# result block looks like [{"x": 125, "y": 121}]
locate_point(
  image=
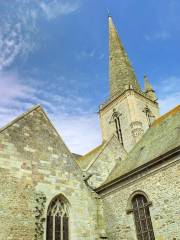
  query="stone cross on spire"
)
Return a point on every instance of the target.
[{"x": 121, "y": 71}]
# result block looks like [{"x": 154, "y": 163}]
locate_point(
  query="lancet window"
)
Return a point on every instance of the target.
[
  {"x": 117, "y": 122},
  {"x": 142, "y": 218},
  {"x": 149, "y": 115},
  {"x": 58, "y": 220}
]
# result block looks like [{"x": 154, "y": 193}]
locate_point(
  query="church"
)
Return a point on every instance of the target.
[{"x": 127, "y": 188}]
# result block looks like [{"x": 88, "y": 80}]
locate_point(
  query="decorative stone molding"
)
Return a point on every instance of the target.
[
  {"x": 137, "y": 130},
  {"x": 39, "y": 215},
  {"x": 129, "y": 208}
]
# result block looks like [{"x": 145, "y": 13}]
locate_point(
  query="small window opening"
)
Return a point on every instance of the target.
[
  {"x": 116, "y": 118},
  {"x": 149, "y": 115}
]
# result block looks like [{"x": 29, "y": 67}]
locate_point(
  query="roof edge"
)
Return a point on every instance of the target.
[
  {"x": 163, "y": 157},
  {"x": 20, "y": 117},
  {"x": 119, "y": 94},
  {"x": 46, "y": 116},
  {"x": 166, "y": 115}
]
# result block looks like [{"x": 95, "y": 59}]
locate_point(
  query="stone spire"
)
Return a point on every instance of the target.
[
  {"x": 121, "y": 71},
  {"x": 150, "y": 93}
]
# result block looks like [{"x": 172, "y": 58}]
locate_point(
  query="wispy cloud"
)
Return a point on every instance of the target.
[
  {"x": 102, "y": 56},
  {"x": 85, "y": 54},
  {"x": 168, "y": 102},
  {"x": 14, "y": 96},
  {"x": 56, "y": 8},
  {"x": 77, "y": 124},
  {"x": 169, "y": 93},
  {"x": 80, "y": 132},
  {"x": 11, "y": 88},
  {"x": 17, "y": 31},
  {"x": 20, "y": 24},
  {"x": 159, "y": 35}
]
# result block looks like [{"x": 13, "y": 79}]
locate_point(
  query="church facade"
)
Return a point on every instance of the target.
[{"x": 126, "y": 188}]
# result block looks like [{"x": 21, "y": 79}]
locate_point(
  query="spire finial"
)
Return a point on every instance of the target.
[
  {"x": 108, "y": 12},
  {"x": 147, "y": 84},
  {"x": 149, "y": 89}
]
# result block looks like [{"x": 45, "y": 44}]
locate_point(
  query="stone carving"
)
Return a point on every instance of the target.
[
  {"x": 39, "y": 215},
  {"x": 137, "y": 130}
]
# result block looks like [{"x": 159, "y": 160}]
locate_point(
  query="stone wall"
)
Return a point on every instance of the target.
[
  {"x": 109, "y": 158},
  {"x": 134, "y": 122},
  {"x": 162, "y": 188},
  {"x": 36, "y": 166}
]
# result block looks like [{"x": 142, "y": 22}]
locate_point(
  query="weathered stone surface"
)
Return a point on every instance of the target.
[
  {"x": 162, "y": 188},
  {"x": 36, "y": 166},
  {"x": 121, "y": 71},
  {"x": 130, "y": 105},
  {"x": 34, "y": 161},
  {"x": 110, "y": 157}
]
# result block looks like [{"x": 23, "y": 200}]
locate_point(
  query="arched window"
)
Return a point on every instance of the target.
[
  {"x": 116, "y": 119},
  {"x": 58, "y": 219},
  {"x": 149, "y": 115},
  {"x": 142, "y": 218}
]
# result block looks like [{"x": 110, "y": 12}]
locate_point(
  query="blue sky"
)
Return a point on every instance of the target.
[{"x": 55, "y": 52}]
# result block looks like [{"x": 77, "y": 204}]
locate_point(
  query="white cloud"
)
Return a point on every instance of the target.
[
  {"x": 102, "y": 56},
  {"x": 81, "y": 133},
  {"x": 19, "y": 25},
  {"x": 56, "y": 8},
  {"x": 17, "y": 31},
  {"x": 79, "y": 128},
  {"x": 169, "y": 93},
  {"x": 169, "y": 102},
  {"x": 13, "y": 93},
  {"x": 160, "y": 35},
  {"x": 11, "y": 88},
  {"x": 85, "y": 54}
]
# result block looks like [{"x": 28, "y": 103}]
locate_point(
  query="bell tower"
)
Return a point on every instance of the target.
[{"x": 129, "y": 111}]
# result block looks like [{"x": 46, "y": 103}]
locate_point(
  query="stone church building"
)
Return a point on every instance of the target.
[{"x": 128, "y": 188}]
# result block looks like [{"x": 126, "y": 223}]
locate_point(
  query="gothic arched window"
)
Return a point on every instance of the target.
[
  {"x": 57, "y": 227},
  {"x": 142, "y": 218},
  {"x": 149, "y": 115},
  {"x": 116, "y": 119}
]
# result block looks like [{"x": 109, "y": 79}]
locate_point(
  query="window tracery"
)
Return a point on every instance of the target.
[
  {"x": 58, "y": 220},
  {"x": 116, "y": 119}
]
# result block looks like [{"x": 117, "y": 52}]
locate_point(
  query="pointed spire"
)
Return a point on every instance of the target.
[
  {"x": 149, "y": 89},
  {"x": 121, "y": 71},
  {"x": 147, "y": 85}
]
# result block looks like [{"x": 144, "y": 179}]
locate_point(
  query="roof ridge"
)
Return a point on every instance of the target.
[
  {"x": 20, "y": 117},
  {"x": 104, "y": 143},
  {"x": 46, "y": 116},
  {"x": 167, "y": 114},
  {"x": 91, "y": 151}
]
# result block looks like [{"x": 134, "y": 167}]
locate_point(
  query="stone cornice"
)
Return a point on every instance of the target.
[{"x": 116, "y": 97}]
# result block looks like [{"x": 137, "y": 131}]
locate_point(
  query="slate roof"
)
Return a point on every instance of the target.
[
  {"x": 161, "y": 137},
  {"x": 85, "y": 160}
]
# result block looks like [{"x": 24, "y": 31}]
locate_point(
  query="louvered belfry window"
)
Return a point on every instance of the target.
[
  {"x": 58, "y": 220},
  {"x": 142, "y": 218},
  {"x": 116, "y": 117}
]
